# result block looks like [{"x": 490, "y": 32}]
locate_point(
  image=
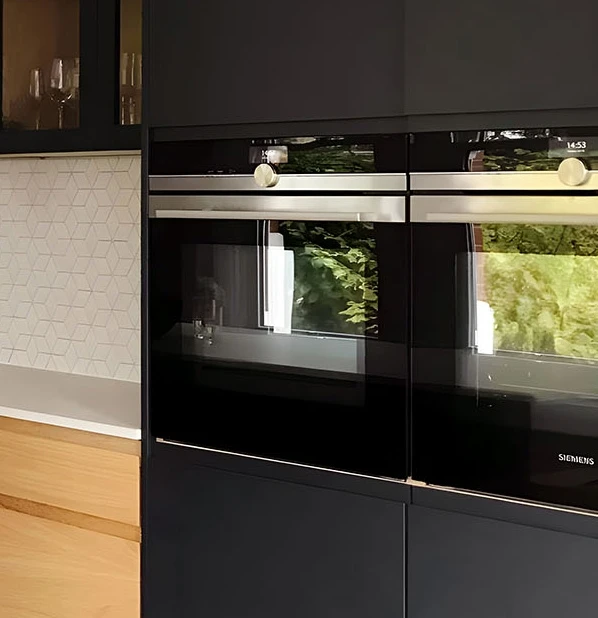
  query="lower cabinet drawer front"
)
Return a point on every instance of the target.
[
  {"x": 71, "y": 476},
  {"x": 53, "y": 570}
]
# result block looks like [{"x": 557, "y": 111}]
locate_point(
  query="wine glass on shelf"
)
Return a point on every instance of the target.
[
  {"x": 137, "y": 77},
  {"x": 61, "y": 86},
  {"x": 125, "y": 75},
  {"x": 130, "y": 88},
  {"x": 36, "y": 92}
]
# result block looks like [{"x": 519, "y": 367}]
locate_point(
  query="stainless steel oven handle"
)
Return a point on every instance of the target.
[
  {"x": 447, "y": 217},
  {"x": 557, "y": 210},
  {"x": 389, "y": 208},
  {"x": 262, "y": 214}
]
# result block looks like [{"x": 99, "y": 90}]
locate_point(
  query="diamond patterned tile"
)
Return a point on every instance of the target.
[
  {"x": 70, "y": 265},
  {"x": 104, "y": 164}
]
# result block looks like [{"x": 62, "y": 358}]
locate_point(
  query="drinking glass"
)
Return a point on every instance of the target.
[
  {"x": 61, "y": 86},
  {"x": 137, "y": 78},
  {"x": 37, "y": 92},
  {"x": 125, "y": 83},
  {"x": 130, "y": 88},
  {"x": 208, "y": 307}
]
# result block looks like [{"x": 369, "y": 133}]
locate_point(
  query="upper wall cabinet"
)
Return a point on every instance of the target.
[
  {"x": 224, "y": 63},
  {"x": 480, "y": 57},
  {"x": 62, "y": 89}
]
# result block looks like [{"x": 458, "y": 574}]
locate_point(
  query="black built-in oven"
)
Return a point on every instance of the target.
[
  {"x": 505, "y": 313},
  {"x": 278, "y": 312}
]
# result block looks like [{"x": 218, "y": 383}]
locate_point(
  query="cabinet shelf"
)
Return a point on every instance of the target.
[{"x": 114, "y": 138}]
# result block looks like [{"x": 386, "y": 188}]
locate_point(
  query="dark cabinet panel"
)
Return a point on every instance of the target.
[
  {"x": 472, "y": 56},
  {"x": 219, "y": 544},
  {"x": 464, "y": 566},
  {"x": 219, "y": 63}
]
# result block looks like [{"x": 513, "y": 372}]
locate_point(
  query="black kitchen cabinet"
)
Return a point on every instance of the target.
[
  {"x": 71, "y": 75},
  {"x": 477, "y": 64},
  {"x": 219, "y": 542},
  {"x": 477, "y": 557},
  {"x": 228, "y": 63}
]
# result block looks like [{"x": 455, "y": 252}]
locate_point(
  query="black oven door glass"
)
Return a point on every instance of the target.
[
  {"x": 281, "y": 339},
  {"x": 505, "y": 359}
]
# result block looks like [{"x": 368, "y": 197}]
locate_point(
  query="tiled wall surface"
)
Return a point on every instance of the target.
[{"x": 70, "y": 265}]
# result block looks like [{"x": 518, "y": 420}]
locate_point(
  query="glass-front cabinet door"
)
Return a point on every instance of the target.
[
  {"x": 71, "y": 75},
  {"x": 40, "y": 64},
  {"x": 130, "y": 62}
]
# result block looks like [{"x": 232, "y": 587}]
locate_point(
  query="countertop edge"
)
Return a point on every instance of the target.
[{"x": 72, "y": 423}]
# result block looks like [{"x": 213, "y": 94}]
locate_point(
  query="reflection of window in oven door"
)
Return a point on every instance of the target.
[
  {"x": 537, "y": 310},
  {"x": 484, "y": 314},
  {"x": 473, "y": 311},
  {"x": 279, "y": 282}
]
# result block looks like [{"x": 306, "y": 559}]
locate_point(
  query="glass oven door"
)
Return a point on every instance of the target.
[
  {"x": 278, "y": 327},
  {"x": 505, "y": 345}
]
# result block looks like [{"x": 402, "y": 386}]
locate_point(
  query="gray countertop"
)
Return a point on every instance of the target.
[{"x": 98, "y": 405}]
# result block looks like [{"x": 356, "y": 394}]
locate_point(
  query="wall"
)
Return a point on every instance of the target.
[{"x": 70, "y": 265}]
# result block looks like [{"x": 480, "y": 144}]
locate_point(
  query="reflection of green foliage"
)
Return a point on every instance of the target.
[
  {"x": 336, "y": 159},
  {"x": 518, "y": 159},
  {"x": 542, "y": 282},
  {"x": 336, "y": 276},
  {"x": 522, "y": 160}
]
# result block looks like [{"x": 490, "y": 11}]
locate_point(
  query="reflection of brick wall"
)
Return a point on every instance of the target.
[
  {"x": 480, "y": 262},
  {"x": 476, "y": 161},
  {"x": 476, "y": 164}
]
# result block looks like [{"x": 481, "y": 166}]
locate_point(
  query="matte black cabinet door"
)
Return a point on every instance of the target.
[
  {"x": 218, "y": 544},
  {"x": 461, "y": 566},
  {"x": 220, "y": 63},
  {"x": 470, "y": 56}
]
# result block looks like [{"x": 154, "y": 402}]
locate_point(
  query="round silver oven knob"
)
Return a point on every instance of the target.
[
  {"x": 572, "y": 172},
  {"x": 265, "y": 175}
]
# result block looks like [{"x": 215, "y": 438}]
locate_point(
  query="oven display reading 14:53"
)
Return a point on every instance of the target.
[
  {"x": 581, "y": 145},
  {"x": 562, "y": 147}
]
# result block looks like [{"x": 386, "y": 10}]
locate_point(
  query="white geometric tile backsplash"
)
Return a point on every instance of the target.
[{"x": 70, "y": 264}]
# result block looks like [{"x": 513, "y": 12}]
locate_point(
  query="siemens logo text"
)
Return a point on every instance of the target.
[{"x": 588, "y": 461}]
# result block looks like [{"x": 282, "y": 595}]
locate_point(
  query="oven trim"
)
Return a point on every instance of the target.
[
  {"x": 385, "y": 479},
  {"x": 496, "y": 181},
  {"x": 224, "y": 183}
]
